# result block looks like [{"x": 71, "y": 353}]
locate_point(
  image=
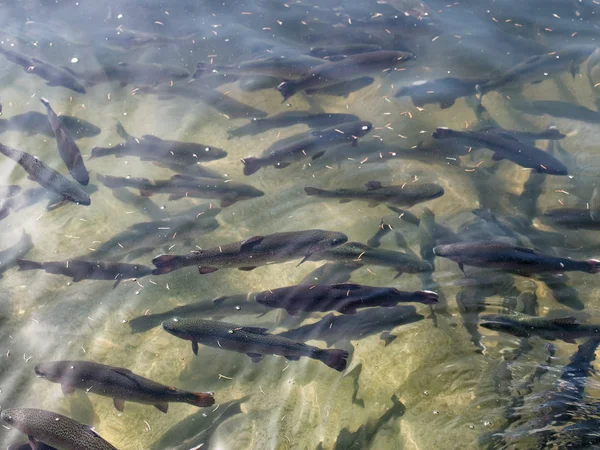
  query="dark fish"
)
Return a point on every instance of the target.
[
  {"x": 180, "y": 186},
  {"x": 382, "y": 230},
  {"x": 152, "y": 148},
  {"x": 314, "y": 145},
  {"x": 502, "y": 256},
  {"x": 520, "y": 325},
  {"x": 291, "y": 118},
  {"x": 344, "y": 88},
  {"x": 54, "y": 75},
  {"x": 87, "y": 270},
  {"x": 10, "y": 255},
  {"x": 128, "y": 39},
  {"x": 144, "y": 74},
  {"x": 45, "y": 427},
  {"x": 332, "y": 328},
  {"x": 330, "y": 273},
  {"x": 117, "y": 383},
  {"x": 9, "y": 191},
  {"x": 444, "y": 91},
  {"x": 46, "y": 176},
  {"x": 33, "y": 122},
  {"x": 550, "y": 133},
  {"x": 538, "y": 68},
  {"x": 281, "y": 67},
  {"x": 363, "y": 255},
  {"x": 253, "y": 341},
  {"x": 329, "y": 51},
  {"x": 352, "y": 67},
  {"x": 253, "y": 252},
  {"x": 67, "y": 148},
  {"x": 573, "y": 218},
  {"x": 252, "y": 83},
  {"x": 26, "y": 446},
  {"x": 345, "y": 298},
  {"x": 375, "y": 193},
  {"x": 508, "y": 147},
  {"x": 557, "y": 108}
]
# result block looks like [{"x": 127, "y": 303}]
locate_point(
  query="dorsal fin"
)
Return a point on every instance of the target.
[
  {"x": 250, "y": 243},
  {"x": 346, "y": 286},
  {"x": 568, "y": 320}
]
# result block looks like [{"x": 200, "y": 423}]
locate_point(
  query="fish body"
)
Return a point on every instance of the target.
[
  {"x": 54, "y": 430},
  {"x": 328, "y": 51},
  {"x": 281, "y": 67},
  {"x": 314, "y": 145},
  {"x": 573, "y": 218},
  {"x": 9, "y": 191},
  {"x": 345, "y": 298},
  {"x": 511, "y": 258},
  {"x": 117, "y": 383},
  {"x": 374, "y": 193},
  {"x": 46, "y": 176},
  {"x": 33, "y": 122},
  {"x": 128, "y": 39},
  {"x": 9, "y": 256},
  {"x": 508, "y": 147},
  {"x": 253, "y": 252},
  {"x": 343, "y": 88},
  {"x": 67, "y": 148},
  {"x": 145, "y": 74},
  {"x": 444, "y": 91}
]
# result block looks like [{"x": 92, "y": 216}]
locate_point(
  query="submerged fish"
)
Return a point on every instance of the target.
[
  {"x": 180, "y": 186},
  {"x": 145, "y": 74},
  {"x": 9, "y": 191},
  {"x": 10, "y": 255},
  {"x": 253, "y": 252},
  {"x": 46, "y": 176},
  {"x": 353, "y": 66},
  {"x": 67, "y": 148},
  {"x": 54, "y": 75},
  {"x": 444, "y": 91},
  {"x": 152, "y": 148},
  {"x": 253, "y": 341},
  {"x": 328, "y": 51},
  {"x": 122, "y": 37},
  {"x": 503, "y": 256},
  {"x": 508, "y": 147},
  {"x": 343, "y": 88},
  {"x": 117, "y": 383},
  {"x": 345, "y": 298},
  {"x": 375, "y": 193},
  {"x": 313, "y": 145},
  {"x": 521, "y": 325},
  {"x": 573, "y": 218},
  {"x": 55, "y": 430},
  {"x": 281, "y": 67},
  {"x": 33, "y": 122}
]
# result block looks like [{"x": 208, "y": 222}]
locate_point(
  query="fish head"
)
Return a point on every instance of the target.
[
  {"x": 362, "y": 128},
  {"x": 266, "y": 298},
  {"x": 81, "y": 198},
  {"x": 10, "y": 416},
  {"x": 556, "y": 168},
  {"x": 17, "y": 418},
  {"x": 183, "y": 328},
  {"x": 74, "y": 84},
  {"x": 427, "y": 191}
]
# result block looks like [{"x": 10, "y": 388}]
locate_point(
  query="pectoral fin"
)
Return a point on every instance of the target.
[
  {"x": 497, "y": 157},
  {"x": 195, "y": 347},
  {"x": 119, "y": 404},
  {"x": 570, "y": 341},
  {"x": 256, "y": 357},
  {"x": 292, "y": 358},
  {"x": 387, "y": 338},
  {"x": 162, "y": 407},
  {"x": 35, "y": 445},
  {"x": 247, "y": 268},
  {"x": 205, "y": 270},
  {"x": 318, "y": 155}
]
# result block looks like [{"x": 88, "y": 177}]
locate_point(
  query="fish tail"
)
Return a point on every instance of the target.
[
  {"x": 442, "y": 133},
  {"x": 200, "y": 399},
  {"x": 121, "y": 131},
  {"x": 336, "y": 359},
  {"x": 313, "y": 191},
  {"x": 45, "y": 102},
  {"x": 593, "y": 266},
  {"x": 201, "y": 69},
  {"x": 287, "y": 89},
  {"x": 427, "y": 297},
  {"x": 98, "y": 152},
  {"x": 26, "y": 264},
  {"x": 251, "y": 165}
]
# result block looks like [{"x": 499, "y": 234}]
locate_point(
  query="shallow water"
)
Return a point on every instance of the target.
[{"x": 455, "y": 380}]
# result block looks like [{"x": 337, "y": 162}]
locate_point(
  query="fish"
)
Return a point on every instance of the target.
[
  {"x": 550, "y": 133},
  {"x": 538, "y": 68},
  {"x": 330, "y": 73},
  {"x": 343, "y": 88},
  {"x": 508, "y": 147},
  {"x": 562, "y": 328},
  {"x": 253, "y": 252},
  {"x": 291, "y": 118},
  {"x": 521, "y": 260},
  {"x": 46, "y": 176},
  {"x": 280, "y": 67},
  {"x": 152, "y": 148},
  {"x": 328, "y": 51},
  {"x": 332, "y": 328},
  {"x": 128, "y": 39},
  {"x": 117, "y": 383},
  {"x": 54, "y": 75},
  {"x": 10, "y": 255},
  {"x": 362, "y": 255},
  {"x": 313, "y": 145},
  {"x": 375, "y": 193},
  {"x": 144, "y": 74},
  {"x": 79, "y": 270},
  {"x": 443, "y": 91},
  {"x": 572, "y": 218},
  {"x": 181, "y": 185},
  {"x": 330, "y": 273},
  {"x": 557, "y": 108},
  {"x": 55, "y": 430},
  {"x": 9, "y": 191},
  {"x": 67, "y": 148},
  {"x": 382, "y": 230},
  {"x": 252, "y": 83},
  {"x": 344, "y": 298},
  {"x": 26, "y": 446},
  {"x": 33, "y": 122},
  {"x": 255, "y": 342}
]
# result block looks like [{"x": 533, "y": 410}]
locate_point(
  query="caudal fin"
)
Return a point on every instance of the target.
[
  {"x": 336, "y": 359},
  {"x": 26, "y": 264},
  {"x": 122, "y": 132},
  {"x": 287, "y": 89},
  {"x": 313, "y": 191},
  {"x": 201, "y": 399},
  {"x": 593, "y": 266},
  {"x": 251, "y": 165}
]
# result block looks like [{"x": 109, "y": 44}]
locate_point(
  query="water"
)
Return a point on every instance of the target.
[{"x": 443, "y": 382}]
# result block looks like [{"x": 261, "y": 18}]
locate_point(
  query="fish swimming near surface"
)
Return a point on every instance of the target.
[
  {"x": 352, "y": 67},
  {"x": 253, "y": 341},
  {"x": 511, "y": 258},
  {"x": 181, "y": 185},
  {"x": 10, "y": 255},
  {"x": 54, "y": 430},
  {"x": 117, "y": 383},
  {"x": 506, "y": 146},
  {"x": 88, "y": 270},
  {"x": 144, "y": 74},
  {"x": 54, "y": 75},
  {"x": 152, "y": 148},
  {"x": 253, "y": 252},
  {"x": 443, "y": 91},
  {"x": 345, "y": 298},
  {"x": 33, "y": 122},
  {"x": 67, "y": 148},
  {"x": 313, "y": 145},
  {"x": 375, "y": 193},
  {"x": 46, "y": 176}
]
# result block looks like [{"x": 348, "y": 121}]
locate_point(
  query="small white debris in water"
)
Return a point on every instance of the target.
[
  {"x": 120, "y": 16},
  {"x": 435, "y": 412},
  {"x": 74, "y": 60},
  {"x": 487, "y": 423}
]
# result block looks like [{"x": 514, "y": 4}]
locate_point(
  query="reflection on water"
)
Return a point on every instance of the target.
[{"x": 445, "y": 147}]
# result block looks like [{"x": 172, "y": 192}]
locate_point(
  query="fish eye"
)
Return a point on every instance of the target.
[
  {"x": 365, "y": 128},
  {"x": 175, "y": 319}
]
